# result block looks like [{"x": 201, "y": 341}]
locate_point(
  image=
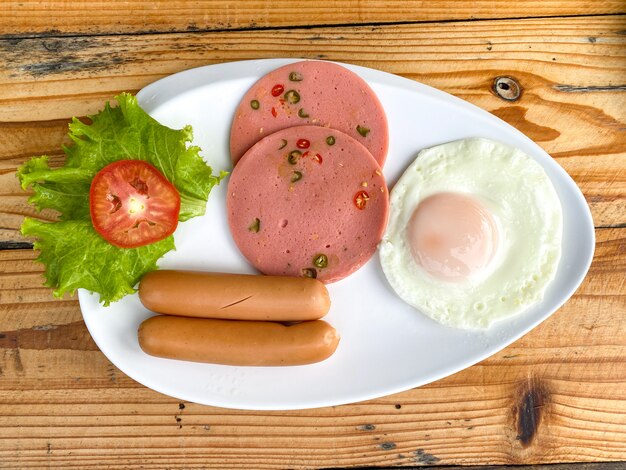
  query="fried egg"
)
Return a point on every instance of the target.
[{"x": 474, "y": 233}]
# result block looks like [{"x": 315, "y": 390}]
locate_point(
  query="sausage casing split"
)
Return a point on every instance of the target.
[
  {"x": 234, "y": 296},
  {"x": 237, "y": 343}
]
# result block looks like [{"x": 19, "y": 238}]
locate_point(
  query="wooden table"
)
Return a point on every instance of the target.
[{"x": 556, "y": 395}]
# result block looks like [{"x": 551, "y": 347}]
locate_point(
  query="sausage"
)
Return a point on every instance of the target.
[
  {"x": 237, "y": 343},
  {"x": 234, "y": 296}
]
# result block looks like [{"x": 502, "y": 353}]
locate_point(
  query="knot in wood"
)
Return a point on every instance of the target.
[
  {"x": 532, "y": 397},
  {"x": 507, "y": 88}
]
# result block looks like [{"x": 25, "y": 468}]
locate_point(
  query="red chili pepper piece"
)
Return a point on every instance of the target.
[
  {"x": 303, "y": 144},
  {"x": 278, "y": 90},
  {"x": 360, "y": 200},
  {"x": 318, "y": 158},
  {"x": 274, "y": 113}
]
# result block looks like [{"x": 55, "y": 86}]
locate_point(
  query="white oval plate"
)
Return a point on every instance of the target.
[{"x": 386, "y": 346}]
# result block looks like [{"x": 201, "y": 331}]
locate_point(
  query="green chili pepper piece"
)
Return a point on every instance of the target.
[
  {"x": 362, "y": 130},
  {"x": 302, "y": 113},
  {"x": 308, "y": 272},
  {"x": 283, "y": 144},
  {"x": 255, "y": 226},
  {"x": 330, "y": 140},
  {"x": 294, "y": 156},
  {"x": 295, "y": 77},
  {"x": 292, "y": 96},
  {"x": 296, "y": 176},
  {"x": 320, "y": 261},
  {"x": 254, "y": 104}
]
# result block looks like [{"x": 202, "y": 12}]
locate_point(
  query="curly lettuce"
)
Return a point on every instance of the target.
[{"x": 74, "y": 254}]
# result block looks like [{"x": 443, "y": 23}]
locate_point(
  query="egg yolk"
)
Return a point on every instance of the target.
[{"x": 452, "y": 236}]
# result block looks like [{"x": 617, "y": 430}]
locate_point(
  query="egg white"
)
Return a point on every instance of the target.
[{"x": 528, "y": 214}]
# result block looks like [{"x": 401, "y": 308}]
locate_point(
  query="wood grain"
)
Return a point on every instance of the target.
[
  {"x": 571, "y": 71},
  {"x": 58, "y": 17},
  {"x": 556, "y": 395}
]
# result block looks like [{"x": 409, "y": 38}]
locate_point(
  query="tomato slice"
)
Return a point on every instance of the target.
[{"x": 132, "y": 204}]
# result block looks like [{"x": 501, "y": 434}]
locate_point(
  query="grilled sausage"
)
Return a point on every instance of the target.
[
  {"x": 234, "y": 296},
  {"x": 238, "y": 343}
]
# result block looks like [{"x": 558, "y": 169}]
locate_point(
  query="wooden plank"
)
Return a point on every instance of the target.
[
  {"x": 571, "y": 71},
  {"x": 58, "y": 17},
  {"x": 555, "y": 395}
]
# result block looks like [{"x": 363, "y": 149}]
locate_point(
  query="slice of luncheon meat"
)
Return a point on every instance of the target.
[
  {"x": 307, "y": 201},
  {"x": 310, "y": 92}
]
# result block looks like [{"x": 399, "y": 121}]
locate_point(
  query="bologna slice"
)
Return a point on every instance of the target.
[
  {"x": 310, "y": 92},
  {"x": 307, "y": 201}
]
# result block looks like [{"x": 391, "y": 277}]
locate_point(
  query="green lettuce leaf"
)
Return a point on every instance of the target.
[
  {"x": 76, "y": 256},
  {"x": 73, "y": 252}
]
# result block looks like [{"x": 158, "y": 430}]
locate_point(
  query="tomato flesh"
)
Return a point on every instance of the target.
[{"x": 132, "y": 204}]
